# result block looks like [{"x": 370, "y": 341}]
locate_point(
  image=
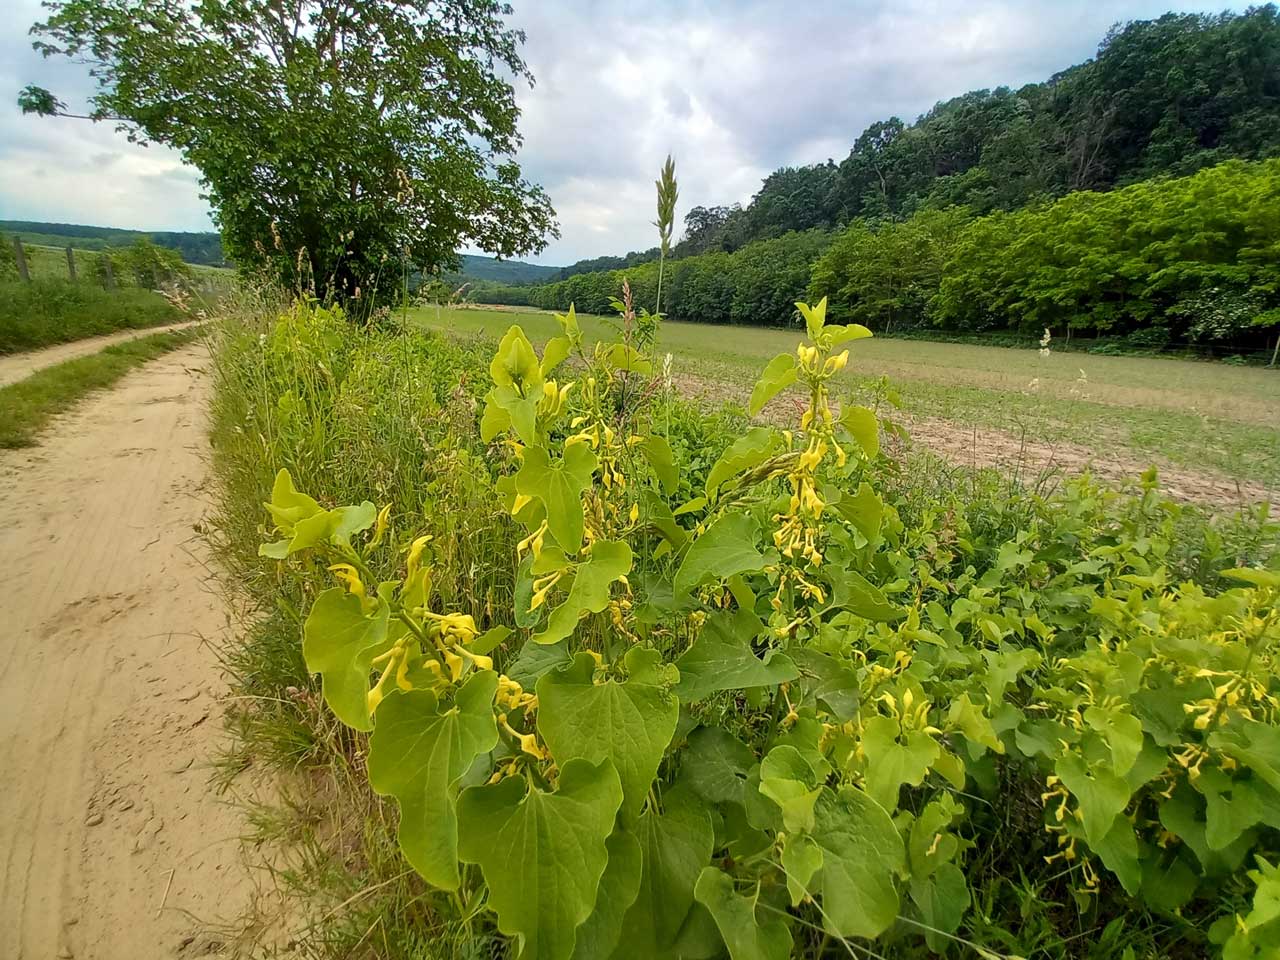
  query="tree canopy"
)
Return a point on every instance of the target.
[{"x": 335, "y": 138}]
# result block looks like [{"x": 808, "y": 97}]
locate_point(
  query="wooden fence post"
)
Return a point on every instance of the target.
[
  {"x": 110, "y": 276},
  {"x": 71, "y": 264},
  {"x": 21, "y": 259}
]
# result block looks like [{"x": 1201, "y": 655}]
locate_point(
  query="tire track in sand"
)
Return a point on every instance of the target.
[{"x": 112, "y": 844}]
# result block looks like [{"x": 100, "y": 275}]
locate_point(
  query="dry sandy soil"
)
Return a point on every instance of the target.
[
  {"x": 113, "y": 843},
  {"x": 17, "y": 366}
]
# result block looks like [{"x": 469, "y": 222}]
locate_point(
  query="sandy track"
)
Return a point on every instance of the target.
[
  {"x": 19, "y": 366},
  {"x": 112, "y": 844}
]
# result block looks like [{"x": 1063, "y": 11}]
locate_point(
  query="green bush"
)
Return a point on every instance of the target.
[{"x": 46, "y": 312}]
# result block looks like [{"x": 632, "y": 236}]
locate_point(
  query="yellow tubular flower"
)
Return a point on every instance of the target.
[
  {"x": 348, "y": 575},
  {"x": 415, "y": 556},
  {"x": 402, "y": 674},
  {"x": 455, "y": 664},
  {"x": 380, "y": 526},
  {"x": 481, "y": 661}
]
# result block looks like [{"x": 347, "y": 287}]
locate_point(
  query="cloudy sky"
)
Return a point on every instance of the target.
[{"x": 732, "y": 89}]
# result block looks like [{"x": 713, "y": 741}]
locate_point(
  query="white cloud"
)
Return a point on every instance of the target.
[{"x": 733, "y": 90}]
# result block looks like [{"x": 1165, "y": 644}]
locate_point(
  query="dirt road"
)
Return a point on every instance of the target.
[
  {"x": 112, "y": 844},
  {"x": 17, "y": 366}
]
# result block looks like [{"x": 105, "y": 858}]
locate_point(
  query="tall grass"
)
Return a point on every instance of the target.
[{"x": 46, "y": 312}]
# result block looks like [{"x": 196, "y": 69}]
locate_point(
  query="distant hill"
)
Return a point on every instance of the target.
[
  {"x": 204, "y": 248},
  {"x": 513, "y": 272}
]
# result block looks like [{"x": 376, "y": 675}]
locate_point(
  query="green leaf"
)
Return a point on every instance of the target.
[
  {"x": 777, "y": 376},
  {"x": 861, "y": 854},
  {"x": 515, "y": 364},
  {"x": 750, "y": 450},
  {"x": 1101, "y": 794},
  {"x": 536, "y": 659},
  {"x": 559, "y": 487},
  {"x": 814, "y": 317},
  {"x": 553, "y": 354},
  {"x": 490, "y": 640},
  {"x": 728, "y": 547},
  {"x": 339, "y": 642},
  {"x": 1123, "y": 733},
  {"x": 831, "y": 682},
  {"x": 715, "y": 764},
  {"x": 1256, "y": 745},
  {"x": 852, "y": 591},
  {"x": 863, "y": 509},
  {"x": 658, "y": 452},
  {"x": 973, "y": 723},
  {"x": 1254, "y": 575},
  {"x": 495, "y": 420},
  {"x": 745, "y": 936},
  {"x": 542, "y": 854},
  {"x": 801, "y": 860},
  {"x": 609, "y": 560},
  {"x": 890, "y": 763},
  {"x": 418, "y": 753},
  {"x": 288, "y": 506},
  {"x": 942, "y": 900},
  {"x": 837, "y": 335},
  {"x": 624, "y": 357},
  {"x": 721, "y": 659},
  {"x": 599, "y": 933},
  {"x": 630, "y": 723},
  {"x": 862, "y": 424},
  {"x": 788, "y": 780},
  {"x": 677, "y": 844}
]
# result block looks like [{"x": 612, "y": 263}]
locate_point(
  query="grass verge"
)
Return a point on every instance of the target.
[
  {"x": 46, "y": 312},
  {"x": 27, "y": 406}
]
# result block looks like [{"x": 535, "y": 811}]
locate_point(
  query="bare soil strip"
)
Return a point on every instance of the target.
[
  {"x": 112, "y": 843},
  {"x": 19, "y": 366},
  {"x": 1031, "y": 459}
]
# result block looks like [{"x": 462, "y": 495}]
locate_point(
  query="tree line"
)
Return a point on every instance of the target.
[{"x": 1181, "y": 259}]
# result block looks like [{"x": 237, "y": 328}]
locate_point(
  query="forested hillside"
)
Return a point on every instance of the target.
[
  {"x": 1162, "y": 97},
  {"x": 203, "y": 248},
  {"x": 1111, "y": 199}
]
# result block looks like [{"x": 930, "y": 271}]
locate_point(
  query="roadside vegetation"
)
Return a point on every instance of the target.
[
  {"x": 930, "y": 716},
  {"x": 27, "y": 406}
]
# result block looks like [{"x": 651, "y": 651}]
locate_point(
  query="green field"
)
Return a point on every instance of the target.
[
  {"x": 50, "y": 262},
  {"x": 1208, "y": 417}
]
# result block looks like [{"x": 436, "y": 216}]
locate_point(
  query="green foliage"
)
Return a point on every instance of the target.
[
  {"x": 1155, "y": 252},
  {"x": 374, "y": 133},
  {"x": 45, "y": 312},
  {"x": 821, "y": 752}
]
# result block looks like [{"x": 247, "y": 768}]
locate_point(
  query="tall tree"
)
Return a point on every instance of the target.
[{"x": 334, "y": 137}]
